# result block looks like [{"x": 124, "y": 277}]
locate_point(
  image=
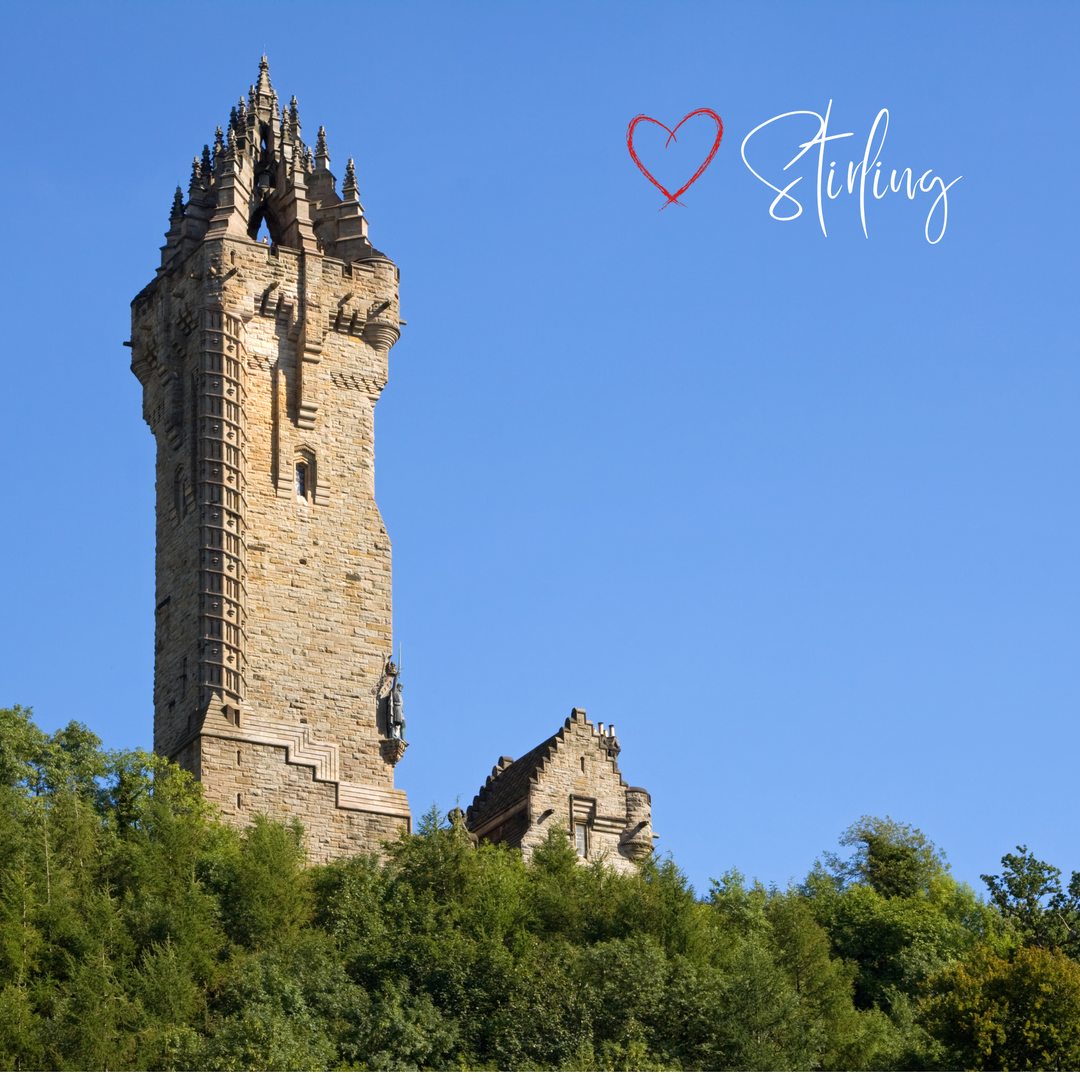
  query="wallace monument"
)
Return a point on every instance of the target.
[{"x": 262, "y": 346}]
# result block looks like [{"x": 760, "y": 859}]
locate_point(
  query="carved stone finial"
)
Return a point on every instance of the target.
[
  {"x": 349, "y": 191},
  {"x": 322, "y": 154},
  {"x": 205, "y": 165},
  {"x": 294, "y": 110},
  {"x": 195, "y": 184},
  {"x": 177, "y": 205},
  {"x": 264, "y": 86}
]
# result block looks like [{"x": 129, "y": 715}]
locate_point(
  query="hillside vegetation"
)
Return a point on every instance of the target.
[{"x": 137, "y": 931}]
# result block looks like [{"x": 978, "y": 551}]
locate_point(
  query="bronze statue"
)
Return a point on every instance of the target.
[{"x": 397, "y": 714}]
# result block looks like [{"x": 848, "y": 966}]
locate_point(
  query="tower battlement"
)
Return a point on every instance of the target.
[{"x": 261, "y": 364}]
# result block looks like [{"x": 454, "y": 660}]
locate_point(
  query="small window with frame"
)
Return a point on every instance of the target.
[
  {"x": 581, "y": 838},
  {"x": 304, "y": 478}
]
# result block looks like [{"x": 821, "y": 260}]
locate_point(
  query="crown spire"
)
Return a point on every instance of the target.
[{"x": 259, "y": 163}]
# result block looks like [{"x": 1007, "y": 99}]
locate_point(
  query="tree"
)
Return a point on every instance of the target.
[
  {"x": 265, "y": 891},
  {"x": 997, "y": 1014},
  {"x": 1019, "y": 894},
  {"x": 893, "y": 858},
  {"x": 140, "y": 931},
  {"x": 894, "y": 910},
  {"x": 21, "y": 743}
]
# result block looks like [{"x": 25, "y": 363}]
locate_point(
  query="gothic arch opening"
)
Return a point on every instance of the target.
[{"x": 265, "y": 216}]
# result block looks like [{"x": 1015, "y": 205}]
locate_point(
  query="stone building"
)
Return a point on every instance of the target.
[
  {"x": 261, "y": 364},
  {"x": 572, "y": 781}
]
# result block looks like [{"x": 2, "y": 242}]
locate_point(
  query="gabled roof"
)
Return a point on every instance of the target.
[
  {"x": 507, "y": 787},
  {"x": 510, "y": 780}
]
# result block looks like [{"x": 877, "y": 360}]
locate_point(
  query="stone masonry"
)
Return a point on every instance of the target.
[
  {"x": 572, "y": 781},
  {"x": 261, "y": 364}
]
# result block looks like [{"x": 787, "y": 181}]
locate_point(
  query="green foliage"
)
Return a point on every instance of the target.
[
  {"x": 1019, "y": 894},
  {"x": 264, "y": 888},
  {"x": 894, "y": 910},
  {"x": 139, "y": 932},
  {"x": 894, "y": 859},
  {"x": 21, "y": 744},
  {"x": 1002, "y": 1014}
]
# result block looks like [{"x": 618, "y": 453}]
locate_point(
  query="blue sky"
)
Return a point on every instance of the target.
[{"x": 797, "y": 514}]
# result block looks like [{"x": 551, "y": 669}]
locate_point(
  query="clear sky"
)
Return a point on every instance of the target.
[{"x": 798, "y": 514}]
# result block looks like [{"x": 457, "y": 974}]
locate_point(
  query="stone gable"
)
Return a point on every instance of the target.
[{"x": 571, "y": 781}]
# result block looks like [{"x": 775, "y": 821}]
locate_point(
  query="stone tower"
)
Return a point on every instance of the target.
[{"x": 261, "y": 363}]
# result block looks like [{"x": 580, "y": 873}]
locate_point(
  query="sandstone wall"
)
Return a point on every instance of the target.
[{"x": 270, "y": 603}]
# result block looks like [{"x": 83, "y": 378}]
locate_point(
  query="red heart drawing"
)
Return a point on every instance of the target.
[{"x": 671, "y": 135}]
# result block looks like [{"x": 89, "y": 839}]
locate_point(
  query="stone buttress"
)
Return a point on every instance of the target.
[{"x": 261, "y": 364}]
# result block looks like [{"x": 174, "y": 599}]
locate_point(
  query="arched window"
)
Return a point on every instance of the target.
[{"x": 304, "y": 479}]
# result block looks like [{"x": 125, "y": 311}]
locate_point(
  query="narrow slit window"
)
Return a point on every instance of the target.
[
  {"x": 238, "y": 800},
  {"x": 579, "y": 839},
  {"x": 302, "y": 481}
]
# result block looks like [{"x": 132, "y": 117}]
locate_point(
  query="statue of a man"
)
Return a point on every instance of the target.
[{"x": 397, "y": 721}]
